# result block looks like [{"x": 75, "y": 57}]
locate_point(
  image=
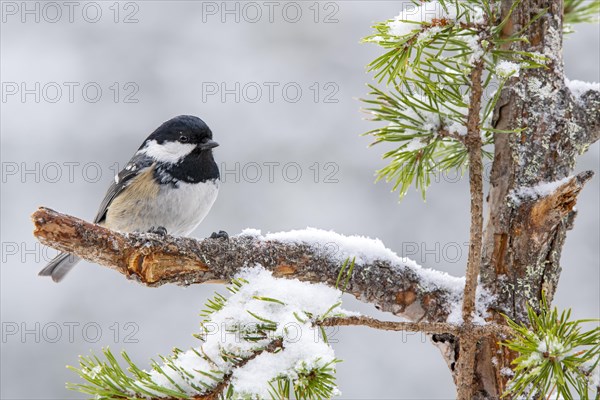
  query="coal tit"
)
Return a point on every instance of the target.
[{"x": 170, "y": 184}]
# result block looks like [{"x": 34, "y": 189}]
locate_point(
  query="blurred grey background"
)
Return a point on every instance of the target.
[{"x": 157, "y": 59}]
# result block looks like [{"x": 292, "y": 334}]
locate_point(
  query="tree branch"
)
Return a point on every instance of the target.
[
  {"x": 468, "y": 343},
  {"x": 389, "y": 282},
  {"x": 445, "y": 133},
  {"x": 425, "y": 327},
  {"x": 474, "y": 146}
]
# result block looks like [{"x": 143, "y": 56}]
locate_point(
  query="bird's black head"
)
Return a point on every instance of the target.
[
  {"x": 177, "y": 138},
  {"x": 183, "y": 129}
]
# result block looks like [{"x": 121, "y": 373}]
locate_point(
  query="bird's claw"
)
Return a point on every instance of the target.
[
  {"x": 219, "y": 235},
  {"x": 158, "y": 230}
]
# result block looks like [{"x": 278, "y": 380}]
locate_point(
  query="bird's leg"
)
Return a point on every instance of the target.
[{"x": 219, "y": 235}]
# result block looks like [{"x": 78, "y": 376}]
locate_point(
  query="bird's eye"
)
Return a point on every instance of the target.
[{"x": 183, "y": 139}]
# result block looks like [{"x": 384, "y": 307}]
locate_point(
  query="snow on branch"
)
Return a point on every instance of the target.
[{"x": 379, "y": 276}]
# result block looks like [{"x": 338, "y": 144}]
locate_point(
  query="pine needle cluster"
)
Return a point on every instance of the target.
[
  {"x": 431, "y": 51},
  {"x": 556, "y": 356}
]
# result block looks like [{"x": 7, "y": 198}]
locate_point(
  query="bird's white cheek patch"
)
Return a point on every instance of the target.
[{"x": 170, "y": 152}]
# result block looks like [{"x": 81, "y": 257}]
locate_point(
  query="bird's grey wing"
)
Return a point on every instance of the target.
[{"x": 138, "y": 162}]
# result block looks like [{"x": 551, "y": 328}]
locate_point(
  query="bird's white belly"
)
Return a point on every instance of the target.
[
  {"x": 179, "y": 210},
  {"x": 186, "y": 205}
]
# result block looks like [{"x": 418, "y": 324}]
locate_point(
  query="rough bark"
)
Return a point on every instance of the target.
[
  {"x": 524, "y": 235},
  {"x": 154, "y": 260}
]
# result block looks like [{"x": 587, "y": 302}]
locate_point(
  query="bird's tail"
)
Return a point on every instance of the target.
[{"x": 60, "y": 266}]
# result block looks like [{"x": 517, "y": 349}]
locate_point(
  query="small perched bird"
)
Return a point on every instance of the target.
[{"x": 169, "y": 185}]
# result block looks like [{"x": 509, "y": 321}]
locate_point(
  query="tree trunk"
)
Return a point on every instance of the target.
[{"x": 525, "y": 233}]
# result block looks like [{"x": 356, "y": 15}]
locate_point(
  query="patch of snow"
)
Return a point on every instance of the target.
[
  {"x": 366, "y": 251},
  {"x": 535, "y": 192},
  {"x": 455, "y": 316},
  {"x": 251, "y": 232},
  {"x": 578, "y": 88},
  {"x": 414, "y": 145},
  {"x": 299, "y": 355},
  {"x": 483, "y": 300},
  {"x": 507, "y": 69},
  {"x": 477, "y": 15},
  {"x": 428, "y": 34},
  {"x": 398, "y": 27},
  {"x": 552, "y": 346},
  {"x": 473, "y": 42},
  {"x": 458, "y": 128}
]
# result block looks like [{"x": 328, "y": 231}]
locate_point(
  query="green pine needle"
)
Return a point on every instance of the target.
[{"x": 555, "y": 354}]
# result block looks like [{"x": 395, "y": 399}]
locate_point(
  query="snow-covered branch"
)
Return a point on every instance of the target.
[{"x": 379, "y": 276}]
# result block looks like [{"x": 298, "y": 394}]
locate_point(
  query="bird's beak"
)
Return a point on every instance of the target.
[{"x": 209, "y": 144}]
